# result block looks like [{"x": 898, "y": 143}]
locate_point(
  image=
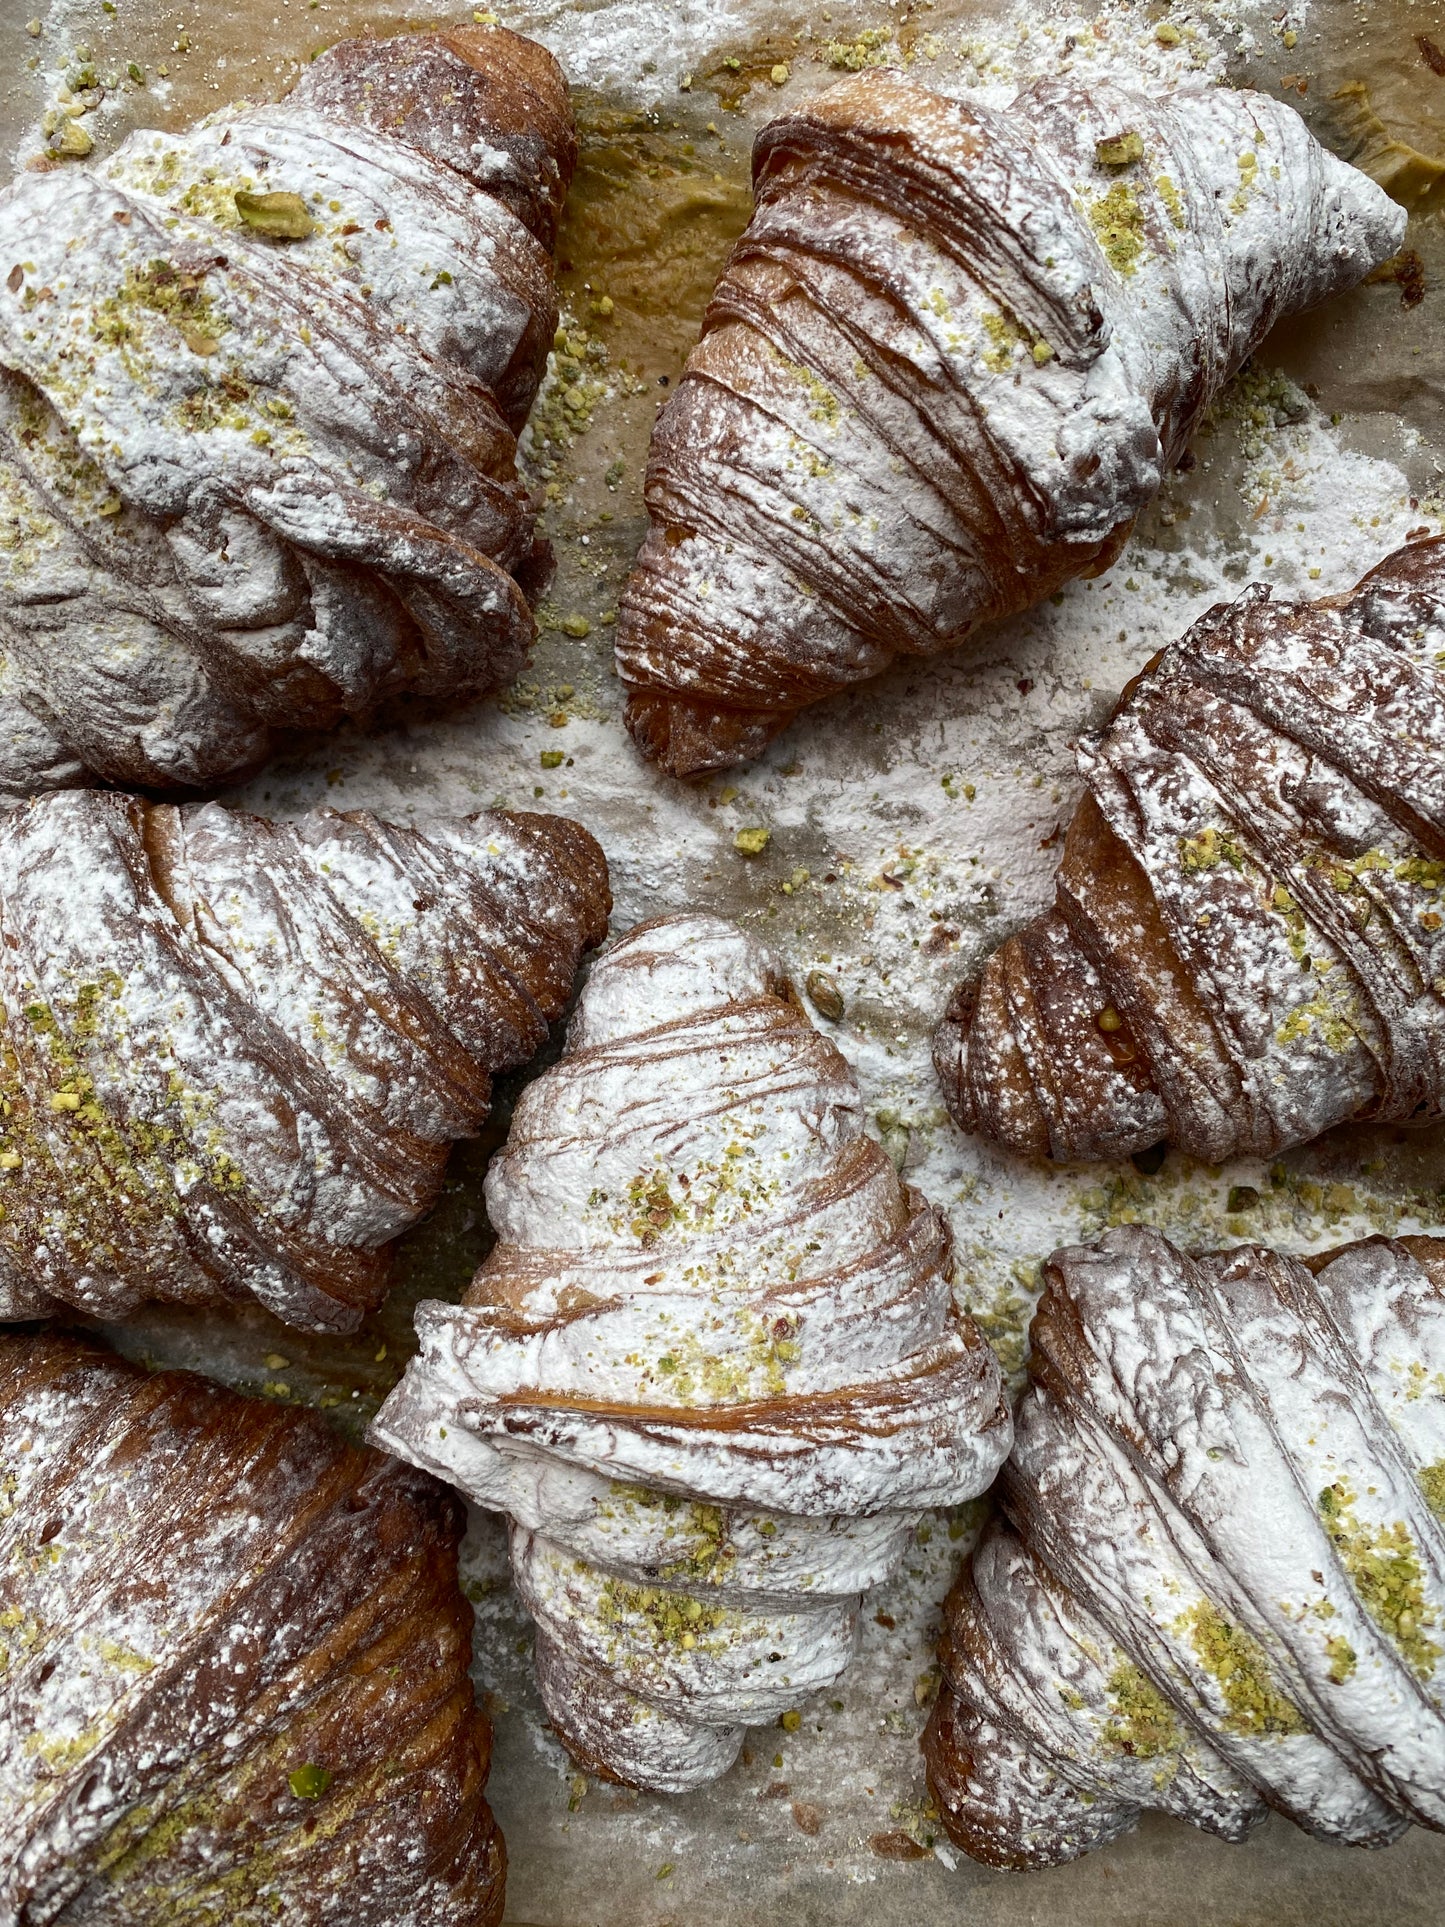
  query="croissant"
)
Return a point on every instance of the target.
[
  {"x": 260, "y": 385},
  {"x": 233, "y": 1053},
  {"x": 712, "y": 1367},
  {"x": 945, "y": 367},
  {"x": 1247, "y": 943},
  {"x": 1221, "y": 1584},
  {"x": 235, "y": 1658}
]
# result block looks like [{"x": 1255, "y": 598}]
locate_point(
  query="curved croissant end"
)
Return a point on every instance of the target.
[
  {"x": 236, "y": 1664},
  {"x": 1247, "y": 944},
  {"x": 1222, "y": 1584},
  {"x": 259, "y": 389},
  {"x": 712, "y": 1368},
  {"x": 944, "y": 369},
  {"x": 234, "y": 1053}
]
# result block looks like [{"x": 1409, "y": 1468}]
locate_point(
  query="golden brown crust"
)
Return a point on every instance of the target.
[
  {"x": 894, "y": 425},
  {"x": 237, "y": 1685},
  {"x": 466, "y": 96}
]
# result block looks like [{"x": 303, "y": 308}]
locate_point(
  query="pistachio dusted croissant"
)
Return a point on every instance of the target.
[
  {"x": 235, "y": 1663},
  {"x": 259, "y": 390},
  {"x": 712, "y": 1367},
  {"x": 1221, "y": 1587},
  {"x": 1247, "y": 943},
  {"x": 944, "y": 369},
  {"x": 234, "y": 1053}
]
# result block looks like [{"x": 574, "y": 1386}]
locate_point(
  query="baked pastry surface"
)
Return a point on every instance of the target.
[
  {"x": 235, "y": 1662},
  {"x": 1247, "y": 943},
  {"x": 234, "y": 1053},
  {"x": 1219, "y": 1582},
  {"x": 260, "y": 384},
  {"x": 712, "y": 1369},
  {"x": 950, "y": 360}
]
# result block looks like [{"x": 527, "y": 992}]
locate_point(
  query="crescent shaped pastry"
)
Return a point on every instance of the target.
[
  {"x": 712, "y": 1368},
  {"x": 944, "y": 369},
  {"x": 260, "y": 384},
  {"x": 235, "y": 1664},
  {"x": 1219, "y": 1583},
  {"x": 1247, "y": 943},
  {"x": 234, "y": 1053}
]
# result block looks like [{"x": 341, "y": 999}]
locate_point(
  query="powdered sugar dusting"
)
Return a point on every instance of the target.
[
  {"x": 931, "y": 795},
  {"x": 692, "y": 1222}
]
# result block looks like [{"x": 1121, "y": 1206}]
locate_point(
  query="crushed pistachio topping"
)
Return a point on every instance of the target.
[
  {"x": 1320, "y": 1016},
  {"x": 119, "y": 1176},
  {"x": 653, "y": 1207},
  {"x": 1248, "y": 164},
  {"x": 870, "y": 49},
  {"x": 824, "y": 404},
  {"x": 1235, "y": 1659},
  {"x": 1432, "y": 1484},
  {"x": 279, "y": 216},
  {"x": 1207, "y": 849},
  {"x": 755, "y": 1368},
  {"x": 1005, "y": 337},
  {"x": 672, "y": 1618},
  {"x": 177, "y": 295},
  {"x": 1117, "y": 218},
  {"x": 1119, "y": 150},
  {"x": 1385, "y": 1570},
  {"x": 1341, "y": 1656},
  {"x": 1141, "y": 1721},
  {"x": 1169, "y": 195}
]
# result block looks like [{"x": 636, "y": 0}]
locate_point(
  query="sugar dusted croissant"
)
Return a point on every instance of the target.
[
  {"x": 259, "y": 389},
  {"x": 1247, "y": 944},
  {"x": 944, "y": 369},
  {"x": 1221, "y": 1586},
  {"x": 235, "y": 1663},
  {"x": 712, "y": 1367},
  {"x": 234, "y": 1053}
]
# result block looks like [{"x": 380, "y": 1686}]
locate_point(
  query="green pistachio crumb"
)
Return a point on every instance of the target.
[
  {"x": 281, "y": 216},
  {"x": 1236, "y": 1660},
  {"x": 1385, "y": 1570},
  {"x": 1119, "y": 150},
  {"x": 1141, "y": 1721}
]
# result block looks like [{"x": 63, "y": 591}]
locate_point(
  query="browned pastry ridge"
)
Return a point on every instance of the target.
[
  {"x": 235, "y": 1660},
  {"x": 1218, "y": 1586},
  {"x": 1247, "y": 943},
  {"x": 945, "y": 368},
  {"x": 260, "y": 388},
  {"x": 234, "y": 1053}
]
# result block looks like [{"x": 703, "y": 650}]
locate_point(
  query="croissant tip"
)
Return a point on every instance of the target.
[{"x": 689, "y": 739}]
